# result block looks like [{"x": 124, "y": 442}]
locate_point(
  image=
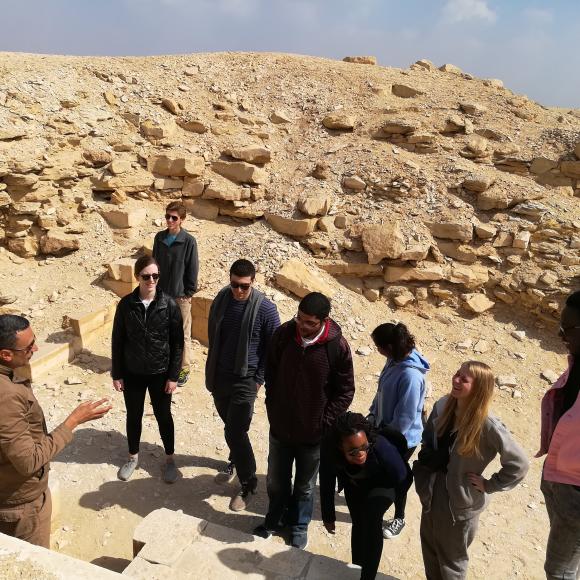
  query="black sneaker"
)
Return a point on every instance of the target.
[
  {"x": 299, "y": 540},
  {"x": 263, "y": 532},
  {"x": 183, "y": 377},
  {"x": 393, "y": 528}
]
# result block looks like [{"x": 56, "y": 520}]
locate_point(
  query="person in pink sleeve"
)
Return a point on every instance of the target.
[{"x": 560, "y": 440}]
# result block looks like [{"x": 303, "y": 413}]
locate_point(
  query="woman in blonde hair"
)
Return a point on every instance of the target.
[{"x": 459, "y": 441}]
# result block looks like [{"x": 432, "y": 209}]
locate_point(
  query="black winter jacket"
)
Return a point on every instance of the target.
[
  {"x": 178, "y": 264},
  {"x": 147, "y": 345}
]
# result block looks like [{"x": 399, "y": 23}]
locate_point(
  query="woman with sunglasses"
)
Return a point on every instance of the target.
[
  {"x": 147, "y": 346},
  {"x": 460, "y": 440},
  {"x": 369, "y": 467}
]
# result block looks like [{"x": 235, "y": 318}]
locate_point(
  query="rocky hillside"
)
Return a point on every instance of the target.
[{"x": 415, "y": 185}]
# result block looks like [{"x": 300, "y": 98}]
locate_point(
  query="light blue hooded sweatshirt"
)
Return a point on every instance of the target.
[{"x": 401, "y": 395}]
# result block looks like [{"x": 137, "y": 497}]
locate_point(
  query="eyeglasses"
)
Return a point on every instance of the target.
[
  {"x": 171, "y": 218},
  {"x": 27, "y": 349},
  {"x": 149, "y": 277},
  {"x": 565, "y": 331},
  {"x": 357, "y": 450},
  {"x": 236, "y": 285},
  {"x": 307, "y": 323}
]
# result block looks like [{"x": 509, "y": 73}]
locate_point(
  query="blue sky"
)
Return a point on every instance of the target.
[{"x": 531, "y": 45}]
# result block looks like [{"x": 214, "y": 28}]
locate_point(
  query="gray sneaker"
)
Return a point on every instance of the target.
[
  {"x": 127, "y": 470},
  {"x": 227, "y": 475},
  {"x": 170, "y": 473}
]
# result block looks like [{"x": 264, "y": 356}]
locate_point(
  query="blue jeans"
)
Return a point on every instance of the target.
[{"x": 291, "y": 505}]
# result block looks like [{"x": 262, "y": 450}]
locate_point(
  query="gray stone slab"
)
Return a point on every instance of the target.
[
  {"x": 202, "y": 560},
  {"x": 142, "y": 570},
  {"x": 282, "y": 559},
  {"x": 214, "y": 533},
  {"x": 164, "y": 534}
]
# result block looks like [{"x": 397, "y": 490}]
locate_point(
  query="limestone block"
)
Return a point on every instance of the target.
[
  {"x": 25, "y": 247},
  {"x": 423, "y": 64},
  {"x": 221, "y": 188},
  {"x": 290, "y": 226},
  {"x": 341, "y": 268},
  {"x": 542, "y": 165},
  {"x": 339, "y": 122},
  {"x": 472, "y": 276},
  {"x": 119, "y": 287},
  {"x": 315, "y": 205},
  {"x": 425, "y": 272},
  {"x": 372, "y": 294},
  {"x": 97, "y": 157},
  {"x": 256, "y": 155},
  {"x": 244, "y": 213},
  {"x": 282, "y": 560},
  {"x": 485, "y": 231},
  {"x": 503, "y": 239},
  {"x": 403, "y": 299},
  {"x": 27, "y": 561},
  {"x": 122, "y": 269},
  {"x": 522, "y": 240},
  {"x": 203, "y": 209},
  {"x": 192, "y": 125},
  {"x": 58, "y": 243},
  {"x": 119, "y": 166},
  {"x": 570, "y": 169},
  {"x": 157, "y": 131},
  {"x": 326, "y": 224},
  {"x": 240, "y": 172},
  {"x": 383, "y": 241},
  {"x": 141, "y": 569},
  {"x": 372, "y": 60},
  {"x": 478, "y": 183},
  {"x": 451, "y": 230},
  {"x": 416, "y": 252},
  {"x": 125, "y": 218},
  {"x": 457, "y": 251},
  {"x": 451, "y": 68},
  {"x": 279, "y": 117},
  {"x": 398, "y": 127},
  {"x": 354, "y": 183},
  {"x": 175, "y": 166},
  {"x": 135, "y": 182},
  {"x": 171, "y": 105},
  {"x": 229, "y": 562},
  {"x": 478, "y": 303},
  {"x": 49, "y": 355},
  {"x": 495, "y": 83},
  {"x": 200, "y": 305},
  {"x": 163, "y": 523},
  {"x": 299, "y": 279},
  {"x": 406, "y": 91},
  {"x": 192, "y": 187},
  {"x": 165, "y": 183},
  {"x": 472, "y": 108}
]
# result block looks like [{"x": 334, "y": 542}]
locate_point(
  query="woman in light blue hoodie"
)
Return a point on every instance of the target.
[{"x": 400, "y": 398}]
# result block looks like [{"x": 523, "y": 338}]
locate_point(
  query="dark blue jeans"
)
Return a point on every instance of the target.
[{"x": 291, "y": 505}]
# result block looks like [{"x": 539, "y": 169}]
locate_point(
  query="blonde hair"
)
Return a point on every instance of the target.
[{"x": 470, "y": 423}]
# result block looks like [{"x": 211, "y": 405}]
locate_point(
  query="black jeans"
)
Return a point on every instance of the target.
[
  {"x": 367, "y": 508},
  {"x": 401, "y": 493},
  {"x": 134, "y": 394},
  {"x": 234, "y": 400}
]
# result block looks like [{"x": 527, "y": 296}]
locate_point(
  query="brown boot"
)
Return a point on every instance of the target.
[{"x": 242, "y": 499}]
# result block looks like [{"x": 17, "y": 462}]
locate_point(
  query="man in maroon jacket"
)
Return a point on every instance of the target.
[{"x": 309, "y": 382}]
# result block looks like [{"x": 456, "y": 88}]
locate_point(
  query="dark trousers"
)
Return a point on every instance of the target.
[
  {"x": 234, "y": 402},
  {"x": 401, "y": 492},
  {"x": 367, "y": 508},
  {"x": 136, "y": 386},
  {"x": 291, "y": 504}
]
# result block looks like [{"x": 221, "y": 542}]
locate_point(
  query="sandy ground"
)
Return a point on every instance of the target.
[{"x": 98, "y": 512}]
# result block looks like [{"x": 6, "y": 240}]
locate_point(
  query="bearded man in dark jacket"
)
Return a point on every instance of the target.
[{"x": 309, "y": 383}]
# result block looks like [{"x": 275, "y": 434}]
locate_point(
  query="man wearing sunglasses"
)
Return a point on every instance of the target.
[
  {"x": 175, "y": 250},
  {"x": 309, "y": 383},
  {"x": 26, "y": 447},
  {"x": 240, "y": 325}
]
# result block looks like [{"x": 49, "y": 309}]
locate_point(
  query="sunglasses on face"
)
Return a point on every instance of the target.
[
  {"x": 236, "y": 285},
  {"x": 149, "y": 277},
  {"x": 171, "y": 218},
  {"x": 357, "y": 450},
  {"x": 26, "y": 349}
]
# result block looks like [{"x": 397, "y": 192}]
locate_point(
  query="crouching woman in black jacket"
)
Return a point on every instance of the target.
[
  {"x": 370, "y": 468},
  {"x": 147, "y": 347}
]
